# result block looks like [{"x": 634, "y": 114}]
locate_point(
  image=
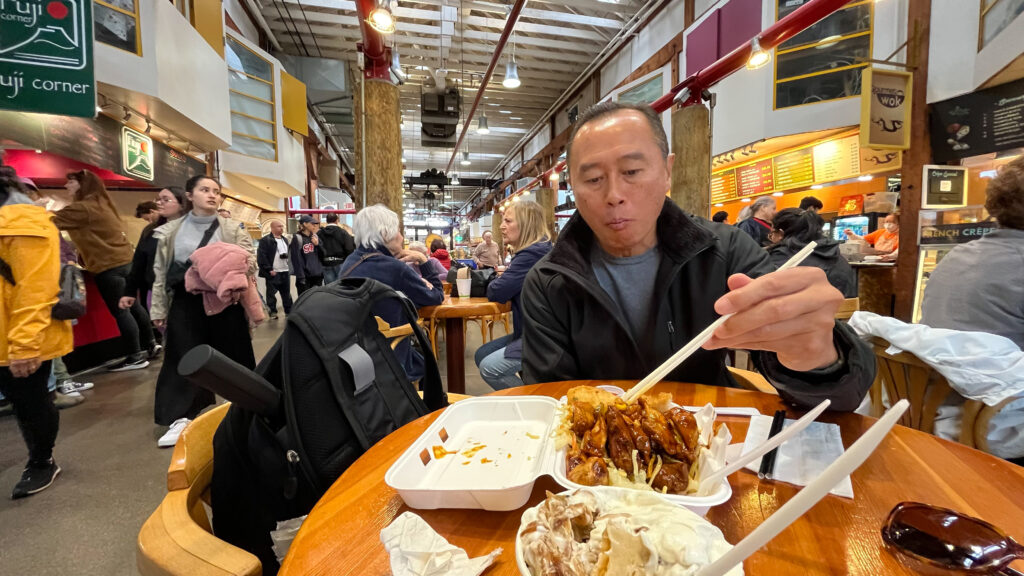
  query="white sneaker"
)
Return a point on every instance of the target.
[
  {"x": 170, "y": 438},
  {"x": 70, "y": 386}
]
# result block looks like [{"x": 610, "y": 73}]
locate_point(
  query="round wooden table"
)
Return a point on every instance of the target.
[
  {"x": 837, "y": 536},
  {"x": 453, "y": 311}
]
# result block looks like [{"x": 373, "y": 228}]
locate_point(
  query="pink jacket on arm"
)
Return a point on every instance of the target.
[{"x": 219, "y": 273}]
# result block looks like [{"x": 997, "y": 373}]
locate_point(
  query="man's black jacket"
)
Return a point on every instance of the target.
[
  {"x": 573, "y": 329},
  {"x": 335, "y": 244},
  {"x": 267, "y": 254}
]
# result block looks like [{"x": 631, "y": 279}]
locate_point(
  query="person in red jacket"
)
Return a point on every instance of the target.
[{"x": 439, "y": 250}]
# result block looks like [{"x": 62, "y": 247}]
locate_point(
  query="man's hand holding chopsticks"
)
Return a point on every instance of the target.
[{"x": 789, "y": 312}]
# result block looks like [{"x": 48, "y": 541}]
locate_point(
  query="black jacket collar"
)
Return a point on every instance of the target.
[{"x": 680, "y": 237}]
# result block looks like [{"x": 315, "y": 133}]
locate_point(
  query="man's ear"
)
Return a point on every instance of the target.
[{"x": 669, "y": 161}]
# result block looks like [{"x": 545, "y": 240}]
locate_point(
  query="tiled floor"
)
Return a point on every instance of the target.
[{"x": 113, "y": 476}]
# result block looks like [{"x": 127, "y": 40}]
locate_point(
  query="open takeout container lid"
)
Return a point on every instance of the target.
[{"x": 487, "y": 453}]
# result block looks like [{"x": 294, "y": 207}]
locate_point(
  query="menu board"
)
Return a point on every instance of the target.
[
  {"x": 978, "y": 123},
  {"x": 756, "y": 178},
  {"x": 723, "y": 186},
  {"x": 837, "y": 159},
  {"x": 794, "y": 169}
]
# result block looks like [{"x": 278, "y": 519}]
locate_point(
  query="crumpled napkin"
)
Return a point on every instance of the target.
[{"x": 417, "y": 550}]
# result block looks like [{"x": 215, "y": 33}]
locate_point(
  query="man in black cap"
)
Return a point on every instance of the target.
[{"x": 305, "y": 249}]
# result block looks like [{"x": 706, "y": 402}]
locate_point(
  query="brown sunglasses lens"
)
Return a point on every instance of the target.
[{"x": 947, "y": 538}]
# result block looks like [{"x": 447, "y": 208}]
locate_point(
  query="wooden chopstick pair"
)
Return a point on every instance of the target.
[{"x": 685, "y": 352}]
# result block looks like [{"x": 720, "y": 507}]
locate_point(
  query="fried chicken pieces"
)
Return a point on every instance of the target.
[{"x": 649, "y": 440}]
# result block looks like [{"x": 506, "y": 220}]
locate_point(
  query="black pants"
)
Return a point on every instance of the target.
[
  {"x": 134, "y": 324},
  {"x": 309, "y": 282},
  {"x": 188, "y": 326},
  {"x": 38, "y": 418},
  {"x": 279, "y": 283}
]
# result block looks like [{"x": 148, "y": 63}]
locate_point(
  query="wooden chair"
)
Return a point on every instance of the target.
[
  {"x": 505, "y": 318},
  {"x": 396, "y": 334},
  {"x": 750, "y": 380},
  {"x": 847, "y": 308},
  {"x": 177, "y": 539},
  {"x": 903, "y": 375}
]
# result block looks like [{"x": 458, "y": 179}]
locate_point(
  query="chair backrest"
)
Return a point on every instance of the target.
[
  {"x": 750, "y": 380},
  {"x": 177, "y": 540},
  {"x": 903, "y": 375},
  {"x": 394, "y": 335},
  {"x": 847, "y": 308}
]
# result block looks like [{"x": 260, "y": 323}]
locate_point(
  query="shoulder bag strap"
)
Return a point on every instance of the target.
[
  {"x": 209, "y": 233},
  {"x": 361, "y": 260}
]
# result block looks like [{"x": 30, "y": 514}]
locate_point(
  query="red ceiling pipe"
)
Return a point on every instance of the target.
[
  {"x": 290, "y": 211},
  {"x": 377, "y": 56},
  {"x": 510, "y": 24},
  {"x": 796, "y": 22}
]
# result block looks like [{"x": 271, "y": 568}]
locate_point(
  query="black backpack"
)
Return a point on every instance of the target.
[{"x": 340, "y": 389}]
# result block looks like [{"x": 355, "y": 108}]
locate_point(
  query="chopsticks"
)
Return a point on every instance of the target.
[
  {"x": 692, "y": 346},
  {"x": 810, "y": 495},
  {"x": 767, "y": 469}
]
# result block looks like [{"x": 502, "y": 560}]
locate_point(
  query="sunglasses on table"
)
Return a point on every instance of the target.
[{"x": 946, "y": 539}]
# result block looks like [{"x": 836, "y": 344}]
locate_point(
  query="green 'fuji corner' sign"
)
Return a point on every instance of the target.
[
  {"x": 136, "y": 154},
  {"x": 46, "y": 57}
]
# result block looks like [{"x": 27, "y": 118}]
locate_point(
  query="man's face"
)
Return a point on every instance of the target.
[
  {"x": 276, "y": 228},
  {"x": 620, "y": 178},
  {"x": 487, "y": 238}
]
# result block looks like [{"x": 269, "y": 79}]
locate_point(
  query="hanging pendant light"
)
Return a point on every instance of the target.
[
  {"x": 465, "y": 159},
  {"x": 482, "y": 125},
  {"x": 758, "y": 57},
  {"x": 511, "y": 74},
  {"x": 381, "y": 18}
]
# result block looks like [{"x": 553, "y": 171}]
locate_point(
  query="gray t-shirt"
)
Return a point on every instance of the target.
[
  {"x": 191, "y": 234},
  {"x": 630, "y": 284}
]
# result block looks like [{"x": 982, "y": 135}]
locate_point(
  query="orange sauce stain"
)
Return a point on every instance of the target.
[{"x": 440, "y": 452}]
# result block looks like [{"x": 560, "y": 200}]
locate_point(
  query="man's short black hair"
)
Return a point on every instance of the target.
[
  {"x": 332, "y": 218},
  {"x": 610, "y": 107},
  {"x": 720, "y": 216},
  {"x": 145, "y": 208},
  {"x": 811, "y": 202}
]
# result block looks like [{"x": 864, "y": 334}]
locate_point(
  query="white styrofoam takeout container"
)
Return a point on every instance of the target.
[{"x": 495, "y": 448}]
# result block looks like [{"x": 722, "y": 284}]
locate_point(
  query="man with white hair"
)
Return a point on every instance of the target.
[
  {"x": 432, "y": 267},
  {"x": 379, "y": 255},
  {"x": 487, "y": 254},
  {"x": 759, "y": 225}
]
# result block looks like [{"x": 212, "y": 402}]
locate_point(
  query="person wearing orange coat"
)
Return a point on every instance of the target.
[{"x": 29, "y": 336}]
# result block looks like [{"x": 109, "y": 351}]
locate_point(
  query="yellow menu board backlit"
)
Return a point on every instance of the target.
[{"x": 837, "y": 159}]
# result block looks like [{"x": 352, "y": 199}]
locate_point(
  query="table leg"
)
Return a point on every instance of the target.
[{"x": 455, "y": 350}]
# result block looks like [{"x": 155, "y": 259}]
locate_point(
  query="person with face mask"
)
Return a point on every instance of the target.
[
  {"x": 183, "y": 313},
  {"x": 886, "y": 239},
  {"x": 305, "y": 253}
]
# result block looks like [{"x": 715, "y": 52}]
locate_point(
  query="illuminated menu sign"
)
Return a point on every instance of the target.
[
  {"x": 756, "y": 178},
  {"x": 837, "y": 159},
  {"x": 794, "y": 169},
  {"x": 723, "y": 186}
]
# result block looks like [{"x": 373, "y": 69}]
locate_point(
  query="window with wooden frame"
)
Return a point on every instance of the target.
[
  {"x": 253, "y": 102},
  {"x": 116, "y": 23},
  {"x": 825, "y": 61},
  {"x": 996, "y": 15}
]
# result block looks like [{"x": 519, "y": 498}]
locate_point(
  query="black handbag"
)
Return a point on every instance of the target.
[
  {"x": 71, "y": 297},
  {"x": 479, "y": 281}
]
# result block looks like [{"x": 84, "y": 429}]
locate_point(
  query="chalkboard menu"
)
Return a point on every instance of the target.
[
  {"x": 756, "y": 178},
  {"x": 978, "y": 123},
  {"x": 794, "y": 169},
  {"x": 96, "y": 142},
  {"x": 944, "y": 187},
  {"x": 723, "y": 186}
]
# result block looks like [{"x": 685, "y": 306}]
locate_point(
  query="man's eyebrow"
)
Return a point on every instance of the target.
[{"x": 631, "y": 156}]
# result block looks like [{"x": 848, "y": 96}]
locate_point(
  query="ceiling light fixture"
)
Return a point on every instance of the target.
[
  {"x": 381, "y": 19},
  {"x": 817, "y": 187},
  {"x": 455, "y": 180},
  {"x": 149, "y": 126},
  {"x": 758, "y": 57},
  {"x": 127, "y": 114},
  {"x": 465, "y": 159},
  {"x": 865, "y": 178},
  {"x": 511, "y": 80},
  {"x": 554, "y": 177},
  {"x": 482, "y": 125}
]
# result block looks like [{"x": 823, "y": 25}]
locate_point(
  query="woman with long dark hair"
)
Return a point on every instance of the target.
[
  {"x": 523, "y": 226},
  {"x": 792, "y": 229},
  {"x": 29, "y": 336},
  {"x": 172, "y": 203},
  {"x": 92, "y": 221},
  {"x": 183, "y": 313}
]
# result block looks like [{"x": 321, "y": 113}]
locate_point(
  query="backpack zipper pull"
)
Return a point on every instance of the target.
[
  {"x": 291, "y": 483},
  {"x": 671, "y": 335}
]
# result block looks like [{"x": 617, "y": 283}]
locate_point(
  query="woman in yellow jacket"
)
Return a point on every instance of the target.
[{"x": 29, "y": 337}]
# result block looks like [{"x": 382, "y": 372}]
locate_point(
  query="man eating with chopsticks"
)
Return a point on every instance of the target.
[{"x": 633, "y": 278}]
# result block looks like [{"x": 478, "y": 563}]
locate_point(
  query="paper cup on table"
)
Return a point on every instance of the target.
[{"x": 464, "y": 286}]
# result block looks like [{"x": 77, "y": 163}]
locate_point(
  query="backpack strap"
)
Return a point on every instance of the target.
[{"x": 361, "y": 260}]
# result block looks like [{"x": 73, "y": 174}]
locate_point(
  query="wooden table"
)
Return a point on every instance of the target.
[
  {"x": 453, "y": 311},
  {"x": 837, "y": 536}
]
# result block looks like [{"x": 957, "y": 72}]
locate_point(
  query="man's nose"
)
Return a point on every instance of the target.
[{"x": 616, "y": 193}]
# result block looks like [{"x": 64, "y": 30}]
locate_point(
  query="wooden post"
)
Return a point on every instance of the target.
[
  {"x": 496, "y": 230},
  {"x": 914, "y": 159},
  {"x": 691, "y": 174},
  {"x": 383, "y": 147},
  {"x": 548, "y": 198}
]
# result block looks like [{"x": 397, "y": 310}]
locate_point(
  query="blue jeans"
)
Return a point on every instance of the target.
[
  {"x": 331, "y": 273},
  {"x": 499, "y": 372}
]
